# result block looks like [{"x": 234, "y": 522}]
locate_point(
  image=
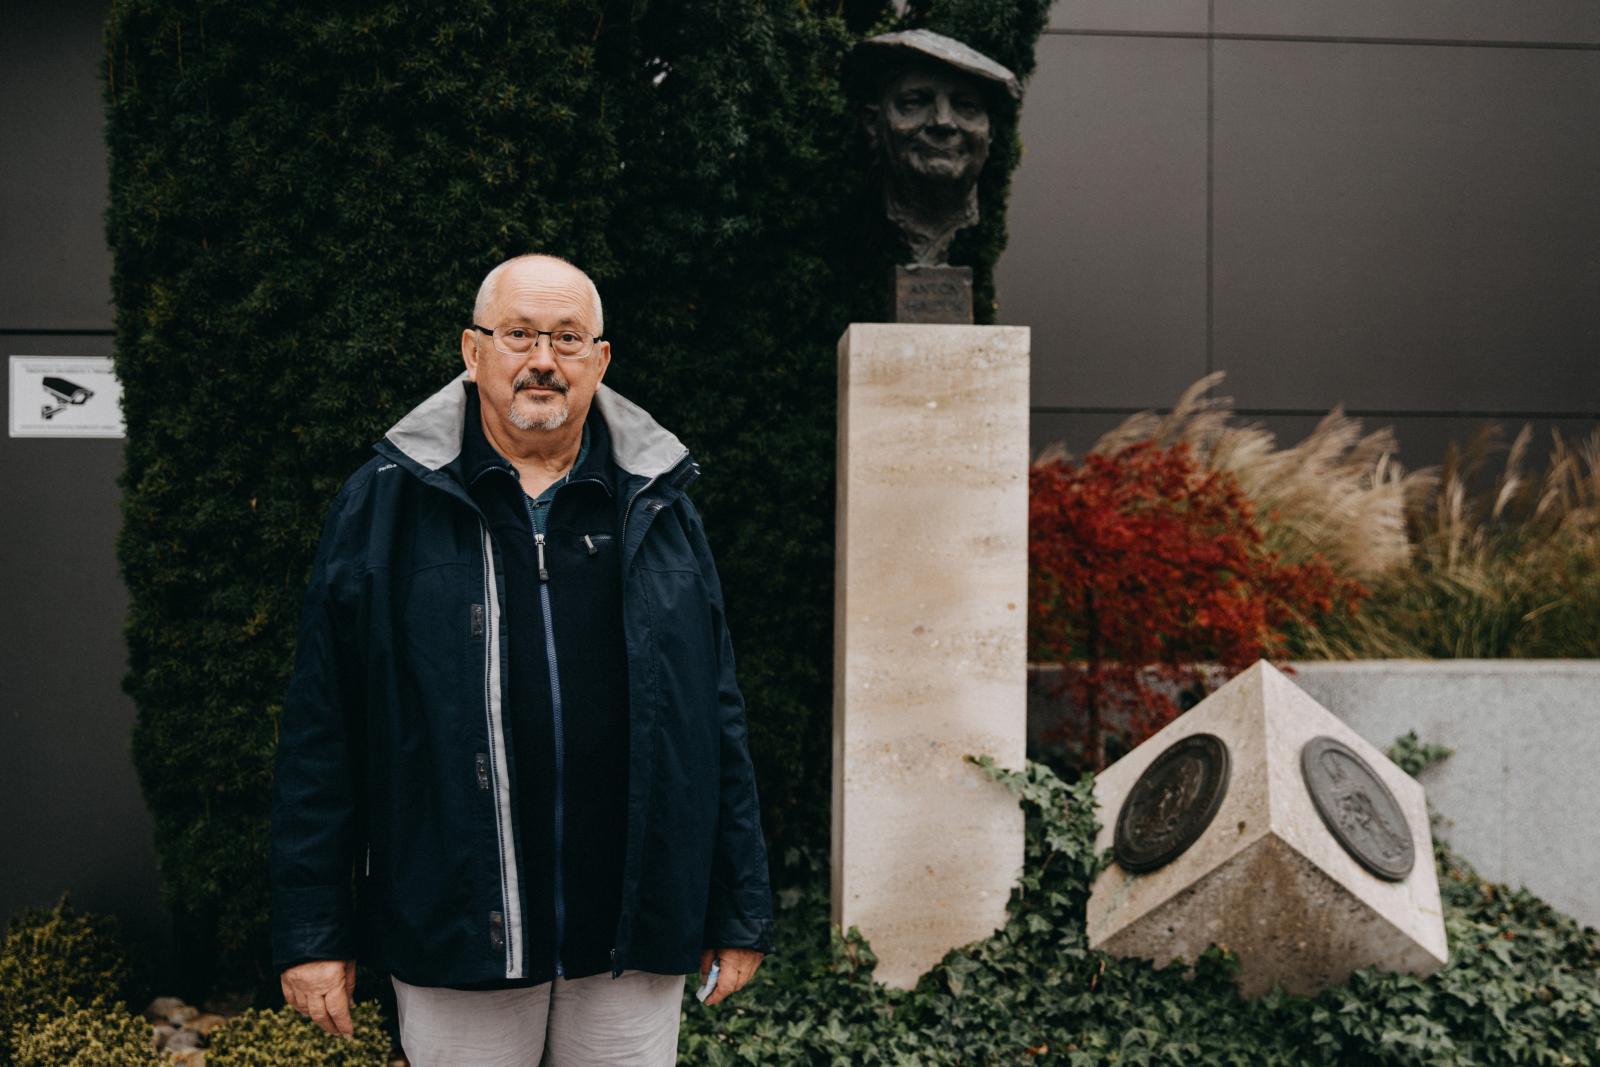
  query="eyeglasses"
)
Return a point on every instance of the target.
[{"x": 520, "y": 340}]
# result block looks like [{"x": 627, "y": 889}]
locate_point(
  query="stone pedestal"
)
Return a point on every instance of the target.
[
  {"x": 929, "y": 635},
  {"x": 1267, "y": 876}
]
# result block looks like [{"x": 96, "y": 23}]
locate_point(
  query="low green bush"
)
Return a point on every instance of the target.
[
  {"x": 285, "y": 1038},
  {"x": 85, "y": 1036},
  {"x": 53, "y": 956},
  {"x": 1522, "y": 987}
]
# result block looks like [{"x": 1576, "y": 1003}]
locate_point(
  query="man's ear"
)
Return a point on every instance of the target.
[
  {"x": 604, "y": 356},
  {"x": 469, "y": 353}
]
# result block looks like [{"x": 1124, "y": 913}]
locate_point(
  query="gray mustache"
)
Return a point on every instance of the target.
[{"x": 541, "y": 380}]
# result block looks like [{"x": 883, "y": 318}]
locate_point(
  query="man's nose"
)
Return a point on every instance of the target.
[
  {"x": 542, "y": 355},
  {"x": 944, "y": 117}
]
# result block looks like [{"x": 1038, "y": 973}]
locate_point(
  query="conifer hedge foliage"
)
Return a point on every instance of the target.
[{"x": 303, "y": 200}]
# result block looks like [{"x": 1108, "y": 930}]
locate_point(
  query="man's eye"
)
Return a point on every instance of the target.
[
  {"x": 911, "y": 100},
  {"x": 567, "y": 337},
  {"x": 517, "y": 332}
]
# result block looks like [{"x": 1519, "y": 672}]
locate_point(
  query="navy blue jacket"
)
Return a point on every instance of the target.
[{"x": 395, "y": 815}]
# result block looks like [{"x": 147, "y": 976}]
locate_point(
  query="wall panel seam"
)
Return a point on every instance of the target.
[
  {"x": 1309, "y": 38},
  {"x": 1391, "y": 413}
]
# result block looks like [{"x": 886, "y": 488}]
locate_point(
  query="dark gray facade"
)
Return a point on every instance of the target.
[
  {"x": 1384, "y": 204},
  {"x": 1381, "y": 204},
  {"x": 71, "y": 804}
]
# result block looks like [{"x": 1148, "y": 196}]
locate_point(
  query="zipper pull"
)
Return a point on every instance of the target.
[
  {"x": 592, "y": 550},
  {"x": 538, "y": 544}
]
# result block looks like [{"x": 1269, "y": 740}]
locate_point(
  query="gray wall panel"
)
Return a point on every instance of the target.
[
  {"x": 75, "y": 816},
  {"x": 55, "y": 272},
  {"x": 1159, "y": 16},
  {"x": 1472, "y": 20},
  {"x": 1106, "y": 259},
  {"x": 1077, "y": 431},
  {"x": 1407, "y": 227}
]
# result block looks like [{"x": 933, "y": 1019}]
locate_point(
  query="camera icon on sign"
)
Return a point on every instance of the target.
[{"x": 65, "y": 393}]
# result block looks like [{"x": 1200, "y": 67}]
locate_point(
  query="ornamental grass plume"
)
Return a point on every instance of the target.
[
  {"x": 1508, "y": 571},
  {"x": 1338, "y": 494}
]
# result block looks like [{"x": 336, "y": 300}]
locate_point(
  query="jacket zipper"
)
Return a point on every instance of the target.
[
  {"x": 510, "y": 917},
  {"x": 555, "y": 711},
  {"x": 623, "y": 533}
]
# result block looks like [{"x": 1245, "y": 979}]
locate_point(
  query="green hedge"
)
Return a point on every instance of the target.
[
  {"x": 1522, "y": 986},
  {"x": 303, "y": 200}
]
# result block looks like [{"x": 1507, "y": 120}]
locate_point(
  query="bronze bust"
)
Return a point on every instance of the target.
[{"x": 927, "y": 121}]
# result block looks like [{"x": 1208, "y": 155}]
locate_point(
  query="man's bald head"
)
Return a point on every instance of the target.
[{"x": 486, "y": 291}]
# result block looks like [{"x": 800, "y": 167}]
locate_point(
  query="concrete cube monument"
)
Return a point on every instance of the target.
[
  {"x": 1261, "y": 822},
  {"x": 930, "y": 635}
]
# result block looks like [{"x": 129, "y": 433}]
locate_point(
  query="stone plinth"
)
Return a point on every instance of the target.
[
  {"x": 1267, "y": 877},
  {"x": 929, "y": 635}
]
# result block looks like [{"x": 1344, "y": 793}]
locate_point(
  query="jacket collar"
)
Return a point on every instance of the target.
[{"x": 429, "y": 437}]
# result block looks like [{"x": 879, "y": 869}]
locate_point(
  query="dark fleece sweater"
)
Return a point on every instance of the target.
[{"x": 575, "y": 902}]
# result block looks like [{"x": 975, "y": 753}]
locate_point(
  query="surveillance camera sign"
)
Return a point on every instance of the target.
[{"x": 65, "y": 396}]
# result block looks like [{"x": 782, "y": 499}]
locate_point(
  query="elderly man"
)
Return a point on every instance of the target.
[{"x": 514, "y": 717}]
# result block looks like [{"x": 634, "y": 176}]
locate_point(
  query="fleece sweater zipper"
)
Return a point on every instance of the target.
[{"x": 555, "y": 712}]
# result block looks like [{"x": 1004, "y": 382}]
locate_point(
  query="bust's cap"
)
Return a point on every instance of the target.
[{"x": 908, "y": 44}]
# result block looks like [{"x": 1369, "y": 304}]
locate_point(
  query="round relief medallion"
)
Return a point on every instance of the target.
[
  {"x": 1358, "y": 808},
  {"x": 1172, "y": 803}
]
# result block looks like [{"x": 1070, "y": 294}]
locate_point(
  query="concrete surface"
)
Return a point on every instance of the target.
[
  {"x": 1266, "y": 878},
  {"x": 930, "y": 639}
]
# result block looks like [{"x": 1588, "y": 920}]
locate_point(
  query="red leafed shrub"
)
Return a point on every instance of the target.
[{"x": 1142, "y": 566}]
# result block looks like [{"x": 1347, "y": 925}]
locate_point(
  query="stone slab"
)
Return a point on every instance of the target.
[
  {"x": 1519, "y": 797},
  {"x": 1267, "y": 878},
  {"x": 930, "y": 635}
]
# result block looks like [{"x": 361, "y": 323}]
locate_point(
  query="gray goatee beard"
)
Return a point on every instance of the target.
[{"x": 553, "y": 422}]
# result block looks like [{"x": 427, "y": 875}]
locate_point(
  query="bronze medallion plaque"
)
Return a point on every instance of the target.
[
  {"x": 1172, "y": 803},
  {"x": 1358, "y": 808}
]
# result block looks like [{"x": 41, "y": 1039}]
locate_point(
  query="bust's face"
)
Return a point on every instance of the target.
[{"x": 933, "y": 125}]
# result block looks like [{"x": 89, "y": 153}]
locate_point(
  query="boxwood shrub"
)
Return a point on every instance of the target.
[
  {"x": 95, "y": 1035},
  {"x": 285, "y": 1038},
  {"x": 55, "y": 959}
]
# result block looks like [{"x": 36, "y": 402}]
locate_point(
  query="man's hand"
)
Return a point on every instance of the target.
[
  {"x": 321, "y": 989},
  {"x": 738, "y": 964}
]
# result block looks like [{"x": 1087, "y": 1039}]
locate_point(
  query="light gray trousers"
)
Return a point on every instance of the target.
[{"x": 598, "y": 1021}]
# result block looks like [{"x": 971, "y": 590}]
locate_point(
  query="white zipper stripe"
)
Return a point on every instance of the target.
[{"x": 510, "y": 891}]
